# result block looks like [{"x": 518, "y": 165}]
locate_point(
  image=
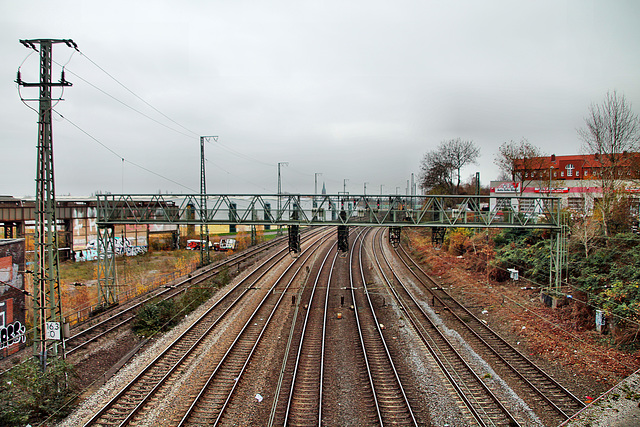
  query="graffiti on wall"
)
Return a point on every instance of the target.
[{"x": 13, "y": 333}]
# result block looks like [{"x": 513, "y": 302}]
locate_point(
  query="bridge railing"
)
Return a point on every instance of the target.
[{"x": 337, "y": 209}]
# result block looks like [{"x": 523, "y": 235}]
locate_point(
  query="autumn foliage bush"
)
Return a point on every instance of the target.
[{"x": 607, "y": 278}]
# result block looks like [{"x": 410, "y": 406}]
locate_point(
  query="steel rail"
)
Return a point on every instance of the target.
[
  {"x": 367, "y": 345},
  {"x": 198, "y": 277},
  {"x": 140, "y": 406},
  {"x": 479, "y": 327},
  {"x": 218, "y": 304},
  {"x": 442, "y": 359},
  {"x": 251, "y": 322},
  {"x": 295, "y": 379}
]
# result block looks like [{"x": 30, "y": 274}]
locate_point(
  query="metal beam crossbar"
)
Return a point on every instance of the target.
[
  {"x": 342, "y": 210},
  {"x": 362, "y": 210}
]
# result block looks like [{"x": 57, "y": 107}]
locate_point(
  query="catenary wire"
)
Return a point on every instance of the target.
[
  {"x": 121, "y": 157},
  {"x": 129, "y": 106},
  {"x": 136, "y": 95}
]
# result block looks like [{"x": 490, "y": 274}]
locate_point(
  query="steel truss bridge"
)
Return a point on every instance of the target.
[{"x": 438, "y": 212}]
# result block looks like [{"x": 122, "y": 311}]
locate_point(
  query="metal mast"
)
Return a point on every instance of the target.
[
  {"x": 279, "y": 214},
  {"x": 204, "y": 232},
  {"x": 46, "y": 281}
]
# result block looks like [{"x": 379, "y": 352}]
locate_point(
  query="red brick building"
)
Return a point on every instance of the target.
[
  {"x": 576, "y": 167},
  {"x": 576, "y": 179}
]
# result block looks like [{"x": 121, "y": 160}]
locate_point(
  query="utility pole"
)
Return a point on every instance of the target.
[
  {"x": 204, "y": 228},
  {"x": 279, "y": 214},
  {"x": 47, "y": 309},
  {"x": 365, "y": 188},
  {"x": 344, "y": 186}
]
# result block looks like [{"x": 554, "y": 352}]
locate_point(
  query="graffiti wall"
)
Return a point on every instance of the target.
[{"x": 12, "y": 296}]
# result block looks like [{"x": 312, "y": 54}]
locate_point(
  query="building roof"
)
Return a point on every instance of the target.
[{"x": 593, "y": 161}]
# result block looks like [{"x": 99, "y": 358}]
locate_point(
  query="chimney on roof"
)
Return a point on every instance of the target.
[{"x": 553, "y": 157}]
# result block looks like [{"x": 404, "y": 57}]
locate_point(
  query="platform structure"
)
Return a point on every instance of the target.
[{"x": 342, "y": 210}]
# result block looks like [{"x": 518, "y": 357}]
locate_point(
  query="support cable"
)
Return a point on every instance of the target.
[{"x": 122, "y": 157}]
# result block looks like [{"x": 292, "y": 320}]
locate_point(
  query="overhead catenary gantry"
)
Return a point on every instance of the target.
[{"x": 341, "y": 210}]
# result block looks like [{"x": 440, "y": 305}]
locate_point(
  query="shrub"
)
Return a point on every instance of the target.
[{"x": 30, "y": 395}]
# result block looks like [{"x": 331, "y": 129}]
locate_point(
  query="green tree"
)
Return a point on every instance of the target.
[{"x": 30, "y": 395}]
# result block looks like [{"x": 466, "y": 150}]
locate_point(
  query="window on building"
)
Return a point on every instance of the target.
[
  {"x": 576, "y": 203},
  {"x": 570, "y": 169}
]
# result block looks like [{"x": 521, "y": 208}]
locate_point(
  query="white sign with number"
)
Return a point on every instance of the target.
[{"x": 53, "y": 330}]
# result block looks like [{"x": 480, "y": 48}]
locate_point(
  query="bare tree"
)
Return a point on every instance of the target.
[
  {"x": 520, "y": 160},
  {"x": 612, "y": 132},
  {"x": 461, "y": 153},
  {"x": 441, "y": 169},
  {"x": 585, "y": 228},
  {"x": 436, "y": 173}
]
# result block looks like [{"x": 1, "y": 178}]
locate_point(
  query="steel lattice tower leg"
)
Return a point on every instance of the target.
[
  {"x": 46, "y": 281},
  {"x": 107, "y": 267}
]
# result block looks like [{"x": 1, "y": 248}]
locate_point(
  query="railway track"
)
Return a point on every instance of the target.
[
  {"x": 209, "y": 406},
  {"x": 133, "y": 401},
  {"x": 485, "y": 408},
  {"x": 120, "y": 316},
  {"x": 304, "y": 402},
  {"x": 389, "y": 398},
  {"x": 543, "y": 392}
]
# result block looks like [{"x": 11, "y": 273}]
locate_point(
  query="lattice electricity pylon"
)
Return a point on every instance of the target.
[
  {"x": 557, "y": 258},
  {"x": 107, "y": 292},
  {"x": 205, "y": 258},
  {"x": 47, "y": 309}
]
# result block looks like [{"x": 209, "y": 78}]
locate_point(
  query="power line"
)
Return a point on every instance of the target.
[
  {"x": 122, "y": 157},
  {"x": 137, "y": 96},
  {"x": 128, "y": 106},
  {"x": 244, "y": 156},
  {"x": 223, "y": 146},
  {"x": 239, "y": 177}
]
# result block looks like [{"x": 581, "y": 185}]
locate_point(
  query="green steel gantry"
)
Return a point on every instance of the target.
[{"x": 343, "y": 210}]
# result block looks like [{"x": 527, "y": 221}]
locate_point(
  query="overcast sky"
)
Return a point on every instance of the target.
[{"x": 355, "y": 90}]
